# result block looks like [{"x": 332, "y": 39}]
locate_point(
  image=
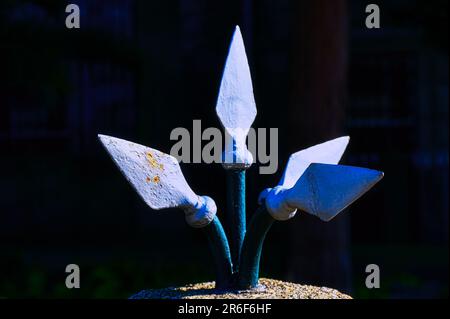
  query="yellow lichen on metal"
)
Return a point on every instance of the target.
[{"x": 152, "y": 160}]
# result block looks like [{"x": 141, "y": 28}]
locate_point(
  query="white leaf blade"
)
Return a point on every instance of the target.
[
  {"x": 329, "y": 152},
  {"x": 155, "y": 176},
  {"x": 236, "y": 106},
  {"x": 325, "y": 190}
]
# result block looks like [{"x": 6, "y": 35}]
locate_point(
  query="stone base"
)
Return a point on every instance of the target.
[{"x": 268, "y": 289}]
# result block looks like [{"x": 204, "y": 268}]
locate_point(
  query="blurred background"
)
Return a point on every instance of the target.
[{"x": 138, "y": 69}]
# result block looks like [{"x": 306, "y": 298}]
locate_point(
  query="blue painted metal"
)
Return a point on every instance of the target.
[
  {"x": 323, "y": 190},
  {"x": 236, "y": 110},
  {"x": 312, "y": 183},
  {"x": 236, "y": 213},
  {"x": 259, "y": 225},
  {"x": 218, "y": 244}
]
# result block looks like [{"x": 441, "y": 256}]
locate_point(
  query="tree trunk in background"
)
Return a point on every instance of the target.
[{"x": 319, "y": 252}]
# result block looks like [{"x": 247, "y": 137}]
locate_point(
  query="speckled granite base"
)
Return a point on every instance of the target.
[{"x": 269, "y": 289}]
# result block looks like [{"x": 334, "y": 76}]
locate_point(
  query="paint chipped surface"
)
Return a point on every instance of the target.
[
  {"x": 153, "y": 161},
  {"x": 156, "y": 176},
  {"x": 154, "y": 179}
]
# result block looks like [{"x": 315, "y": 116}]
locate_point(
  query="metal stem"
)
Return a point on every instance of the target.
[
  {"x": 236, "y": 212},
  {"x": 251, "y": 251},
  {"x": 218, "y": 244}
]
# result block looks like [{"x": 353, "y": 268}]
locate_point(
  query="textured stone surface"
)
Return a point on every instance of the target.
[{"x": 269, "y": 289}]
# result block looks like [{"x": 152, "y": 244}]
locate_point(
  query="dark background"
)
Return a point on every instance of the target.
[{"x": 138, "y": 69}]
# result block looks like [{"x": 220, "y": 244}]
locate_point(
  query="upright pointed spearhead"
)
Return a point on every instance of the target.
[
  {"x": 236, "y": 106},
  {"x": 158, "y": 180}
]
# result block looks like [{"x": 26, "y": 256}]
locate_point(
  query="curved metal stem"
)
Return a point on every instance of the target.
[
  {"x": 218, "y": 244},
  {"x": 251, "y": 250}
]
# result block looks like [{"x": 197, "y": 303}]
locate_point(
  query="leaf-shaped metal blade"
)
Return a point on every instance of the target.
[
  {"x": 155, "y": 176},
  {"x": 236, "y": 106},
  {"x": 329, "y": 152},
  {"x": 325, "y": 190}
]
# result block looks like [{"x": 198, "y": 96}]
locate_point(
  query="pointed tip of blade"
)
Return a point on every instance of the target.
[
  {"x": 341, "y": 143},
  {"x": 334, "y": 187},
  {"x": 236, "y": 107},
  {"x": 104, "y": 139},
  {"x": 237, "y": 36},
  {"x": 345, "y": 139},
  {"x": 156, "y": 176}
]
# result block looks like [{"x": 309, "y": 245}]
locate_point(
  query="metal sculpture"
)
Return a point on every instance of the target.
[
  {"x": 158, "y": 180},
  {"x": 236, "y": 110},
  {"x": 312, "y": 182}
]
